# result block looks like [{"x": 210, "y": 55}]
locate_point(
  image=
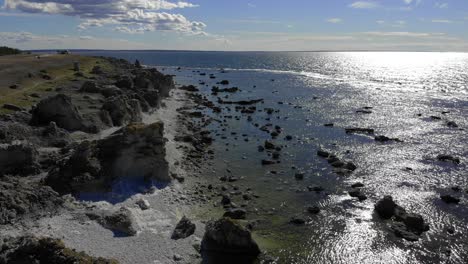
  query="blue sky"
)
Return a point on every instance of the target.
[{"x": 408, "y": 25}]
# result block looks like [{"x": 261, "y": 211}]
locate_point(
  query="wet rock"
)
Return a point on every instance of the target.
[
  {"x": 269, "y": 145},
  {"x": 135, "y": 151},
  {"x": 385, "y": 139},
  {"x": 243, "y": 102},
  {"x": 450, "y": 199},
  {"x": 224, "y": 82},
  {"x": 236, "y": 214},
  {"x": 386, "y": 207},
  {"x": 297, "y": 220},
  {"x": 448, "y": 158},
  {"x": 452, "y": 124},
  {"x": 357, "y": 185},
  {"x": 313, "y": 209},
  {"x": 299, "y": 176},
  {"x": 357, "y": 194},
  {"x": 23, "y": 198},
  {"x": 28, "y": 249},
  {"x": 183, "y": 229},
  {"x": 328, "y": 125},
  {"x": 189, "y": 88},
  {"x": 18, "y": 158},
  {"x": 268, "y": 162},
  {"x": 59, "y": 109},
  {"x": 227, "y": 237},
  {"x": 323, "y": 153},
  {"x": 315, "y": 188},
  {"x": 359, "y": 130}
]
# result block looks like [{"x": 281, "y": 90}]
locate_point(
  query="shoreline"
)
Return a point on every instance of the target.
[{"x": 154, "y": 226}]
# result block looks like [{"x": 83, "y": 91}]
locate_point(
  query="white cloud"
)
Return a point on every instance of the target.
[
  {"x": 443, "y": 21},
  {"x": 126, "y": 16},
  {"x": 251, "y": 5},
  {"x": 441, "y": 5},
  {"x": 335, "y": 20},
  {"x": 364, "y": 5},
  {"x": 380, "y": 22},
  {"x": 402, "y": 34}
]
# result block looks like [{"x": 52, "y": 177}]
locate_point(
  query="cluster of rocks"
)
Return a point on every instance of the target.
[
  {"x": 405, "y": 225},
  {"x": 340, "y": 167}
]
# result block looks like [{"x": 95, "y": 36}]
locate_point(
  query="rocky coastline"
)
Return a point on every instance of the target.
[{"x": 100, "y": 130}]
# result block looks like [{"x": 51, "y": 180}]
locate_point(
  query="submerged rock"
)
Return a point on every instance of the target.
[
  {"x": 227, "y": 237},
  {"x": 183, "y": 229},
  {"x": 30, "y": 249},
  {"x": 448, "y": 158},
  {"x": 450, "y": 199}
]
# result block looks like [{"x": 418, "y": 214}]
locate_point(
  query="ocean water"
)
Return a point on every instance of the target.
[{"x": 409, "y": 96}]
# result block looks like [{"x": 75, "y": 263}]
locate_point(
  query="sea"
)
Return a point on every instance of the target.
[{"x": 418, "y": 100}]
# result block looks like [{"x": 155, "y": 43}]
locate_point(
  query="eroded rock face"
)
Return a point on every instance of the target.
[
  {"x": 59, "y": 109},
  {"x": 123, "y": 110},
  {"x": 43, "y": 250},
  {"x": 225, "y": 236},
  {"x": 135, "y": 151},
  {"x": 18, "y": 158},
  {"x": 20, "y": 197}
]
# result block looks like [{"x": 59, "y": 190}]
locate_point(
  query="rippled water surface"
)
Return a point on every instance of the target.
[{"x": 402, "y": 91}]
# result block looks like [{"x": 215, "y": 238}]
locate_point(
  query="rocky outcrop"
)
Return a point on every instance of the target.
[
  {"x": 30, "y": 249},
  {"x": 21, "y": 197},
  {"x": 123, "y": 110},
  {"x": 136, "y": 151},
  {"x": 58, "y": 109},
  {"x": 18, "y": 158},
  {"x": 227, "y": 237},
  {"x": 121, "y": 221},
  {"x": 183, "y": 229}
]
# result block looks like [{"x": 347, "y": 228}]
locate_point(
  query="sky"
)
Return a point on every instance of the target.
[{"x": 236, "y": 25}]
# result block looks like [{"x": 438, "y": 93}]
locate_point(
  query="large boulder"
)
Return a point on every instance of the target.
[
  {"x": 227, "y": 238},
  {"x": 59, "y": 109},
  {"x": 18, "y": 158},
  {"x": 123, "y": 110},
  {"x": 21, "y": 197},
  {"x": 183, "y": 229},
  {"x": 120, "y": 221},
  {"x": 135, "y": 151},
  {"x": 30, "y": 249}
]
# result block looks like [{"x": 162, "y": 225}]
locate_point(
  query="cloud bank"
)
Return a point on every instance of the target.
[{"x": 128, "y": 16}]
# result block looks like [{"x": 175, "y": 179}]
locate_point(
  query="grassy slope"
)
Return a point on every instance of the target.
[{"x": 59, "y": 67}]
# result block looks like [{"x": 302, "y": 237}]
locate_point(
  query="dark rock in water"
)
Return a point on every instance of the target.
[
  {"x": 189, "y": 88},
  {"x": 59, "y": 109},
  {"x": 90, "y": 87},
  {"x": 249, "y": 102},
  {"x": 135, "y": 151},
  {"x": 405, "y": 225},
  {"x": 226, "y": 239},
  {"x": 450, "y": 199},
  {"x": 357, "y": 185},
  {"x": 268, "y": 162},
  {"x": 313, "y": 209},
  {"x": 436, "y": 117},
  {"x": 183, "y": 229},
  {"x": 386, "y": 207},
  {"x": 19, "y": 158},
  {"x": 452, "y": 124},
  {"x": 12, "y": 107},
  {"x": 23, "y": 198},
  {"x": 30, "y": 249},
  {"x": 323, "y": 153},
  {"x": 123, "y": 110},
  {"x": 359, "y": 130},
  {"x": 288, "y": 137},
  {"x": 315, "y": 188},
  {"x": 299, "y": 176},
  {"x": 357, "y": 194},
  {"x": 224, "y": 82},
  {"x": 269, "y": 145},
  {"x": 297, "y": 220},
  {"x": 225, "y": 200},
  {"x": 329, "y": 125},
  {"x": 448, "y": 158},
  {"x": 236, "y": 214}
]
